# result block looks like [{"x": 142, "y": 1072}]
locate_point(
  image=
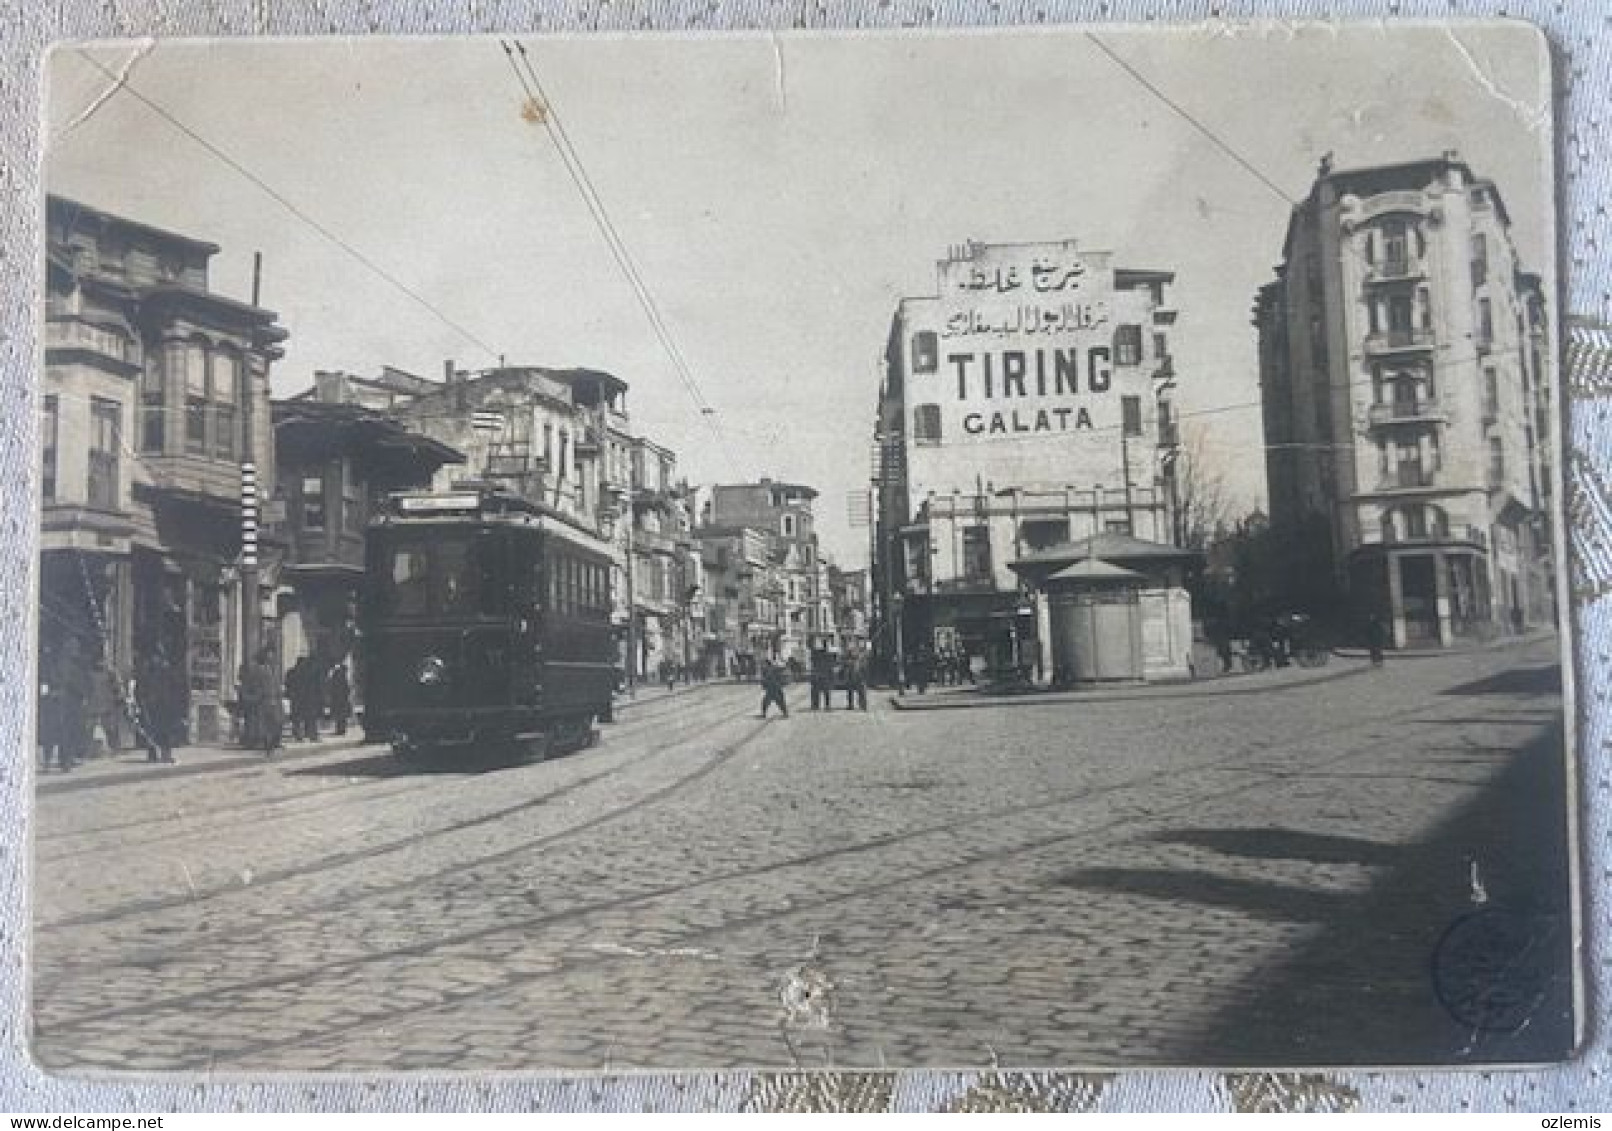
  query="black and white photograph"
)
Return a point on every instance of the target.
[{"x": 1030, "y": 548}]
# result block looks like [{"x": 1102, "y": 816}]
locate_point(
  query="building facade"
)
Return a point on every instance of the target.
[
  {"x": 788, "y": 603},
  {"x": 563, "y": 438},
  {"x": 336, "y": 461},
  {"x": 1027, "y": 403},
  {"x": 155, "y": 394},
  {"x": 1406, "y": 377}
]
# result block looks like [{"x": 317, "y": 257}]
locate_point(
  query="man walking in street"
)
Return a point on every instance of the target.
[
  {"x": 772, "y": 688},
  {"x": 822, "y": 678},
  {"x": 1375, "y": 639},
  {"x": 856, "y": 680}
]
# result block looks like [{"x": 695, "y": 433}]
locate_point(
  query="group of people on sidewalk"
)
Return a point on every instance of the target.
[
  {"x": 84, "y": 707},
  {"x": 310, "y": 688}
]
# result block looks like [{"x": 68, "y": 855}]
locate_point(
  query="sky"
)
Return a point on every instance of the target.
[{"x": 778, "y": 193}]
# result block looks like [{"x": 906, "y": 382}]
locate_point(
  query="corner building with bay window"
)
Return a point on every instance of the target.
[
  {"x": 1025, "y": 405},
  {"x": 1406, "y": 378},
  {"x": 155, "y": 392}
]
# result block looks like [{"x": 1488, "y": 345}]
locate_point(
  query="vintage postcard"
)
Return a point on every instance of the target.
[{"x": 1023, "y": 548}]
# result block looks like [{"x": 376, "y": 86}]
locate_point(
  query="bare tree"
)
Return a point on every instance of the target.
[{"x": 1202, "y": 505}]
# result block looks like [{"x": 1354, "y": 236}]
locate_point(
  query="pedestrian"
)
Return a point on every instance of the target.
[
  {"x": 105, "y": 704},
  {"x": 339, "y": 695},
  {"x": 248, "y": 700},
  {"x": 856, "y": 680},
  {"x": 923, "y": 666},
  {"x": 1375, "y": 639},
  {"x": 261, "y": 688},
  {"x": 304, "y": 688},
  {"x": 70, "y": 688},
  {"x": 49, "y": 721},
  {"x": 965, "y": 662},
  {"x": 772, "y": 688},
  {"x": 163, "y": 693},
  {"x": 822, "y": 678}
]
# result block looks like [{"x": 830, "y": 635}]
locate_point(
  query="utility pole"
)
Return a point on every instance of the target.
[{"x": 251, "y": 599}]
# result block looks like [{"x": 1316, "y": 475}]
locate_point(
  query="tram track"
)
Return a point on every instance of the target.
[
  {"x": 525, "y": 926},
  {"x": 339, "y": 860},
  {"x": 222, "y": 816}
]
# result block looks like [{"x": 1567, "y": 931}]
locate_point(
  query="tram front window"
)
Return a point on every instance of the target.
[{"x": 438, "y": 578}]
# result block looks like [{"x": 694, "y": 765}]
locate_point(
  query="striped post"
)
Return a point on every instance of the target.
[{"x": 251, "y": 607}]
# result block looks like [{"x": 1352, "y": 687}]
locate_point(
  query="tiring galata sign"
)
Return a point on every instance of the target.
[{"x": 1030, "y": 373}]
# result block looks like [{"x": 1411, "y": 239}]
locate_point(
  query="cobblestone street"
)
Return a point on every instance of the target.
[{"x": 1192, "y": 880}]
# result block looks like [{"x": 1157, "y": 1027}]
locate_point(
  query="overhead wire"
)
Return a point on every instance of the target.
[
  {"x": 122, "y": 85},
  {"x": 548, "y": 115}
]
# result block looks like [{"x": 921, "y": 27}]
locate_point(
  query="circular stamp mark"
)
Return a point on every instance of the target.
[{"x": 1493, "y": 968}]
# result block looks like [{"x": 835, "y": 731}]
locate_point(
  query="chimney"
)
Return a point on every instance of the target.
[
  {"x": 330, "y": 386},
  {"x": 449, "y": 373}
]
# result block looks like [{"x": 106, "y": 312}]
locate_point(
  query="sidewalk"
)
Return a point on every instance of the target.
[
  {"x": 1459, "y": 649},
  {"x": 1238, "y": 683},
  {"x": 131, "y": 765}
]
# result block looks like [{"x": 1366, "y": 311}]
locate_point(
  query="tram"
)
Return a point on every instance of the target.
[{"x": 486, "y": 624}]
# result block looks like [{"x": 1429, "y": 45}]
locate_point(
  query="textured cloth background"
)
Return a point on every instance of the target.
[{"x": 1581, "y": 34}]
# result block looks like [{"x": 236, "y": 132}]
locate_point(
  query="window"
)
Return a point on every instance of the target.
[
  {"x": 1117, "y": 525},
  {"x": 1408, "y": 456},
  {"x": 1161, "y": 346},
  {"x": 786, "y": 525},
  {"x": 106, "y": 427},
  {"x": 1497, "y": 461},
  {"x": 196, "y": 400},
  {"x": 977, "y": 554},
  {"x": 1128, "y": 345},
  {"x": 226, "y": 391},
  {"x": 1400, "y": 316},
  {"x": 548, "y": 447},
  {"x": 1131, "y": 411},
  {"x": 49, "y": 425},
  {"x": 926, "y": 424},
  {"x": 313, "y": 503},
  {"x": 1485, "y": 322},
  {"x": 1396, "y": 249},
  {"x": 1491, "y": 391},
  {"x": 153, "y": 407},
  {"x": 1480, "y": 259},
  {"x": 352, "y": 500},
  {"x": 925, "y": 352},
  {"x": 1415, "y": 522},
  {"x": 1041, "y": 533}
]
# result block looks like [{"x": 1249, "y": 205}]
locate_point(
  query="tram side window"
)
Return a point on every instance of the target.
[{"x": 411, "y": 581}]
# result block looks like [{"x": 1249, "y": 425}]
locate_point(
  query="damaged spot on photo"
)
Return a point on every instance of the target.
[{"x": 1027, "y": 548}]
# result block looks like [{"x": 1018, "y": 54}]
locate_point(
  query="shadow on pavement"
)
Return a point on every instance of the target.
[
  {"x": 1543, "y": 680},
  {"x": 1416, "y": 970},
  {"x": 389, "y": 765},
  {"x": 1284, "y": 844},
  {"x": 1279, "y": 902}
]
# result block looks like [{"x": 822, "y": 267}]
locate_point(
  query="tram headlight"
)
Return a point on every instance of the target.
[{"x": 431, "y": 672}]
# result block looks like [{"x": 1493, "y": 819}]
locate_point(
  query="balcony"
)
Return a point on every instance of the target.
[
  {"x": 1422, "y": 410},
  {"x": 75, "y": 337},
  {"x": 1398, "y": 341},
  {"x": 1408, "y": 477},
  {"x": 1395, "y": 269}
]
